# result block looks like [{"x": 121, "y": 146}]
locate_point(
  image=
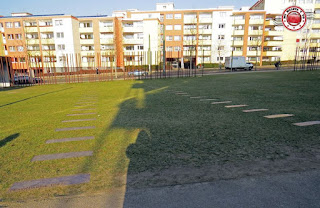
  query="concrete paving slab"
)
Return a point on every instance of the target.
[
  {"x": 69, "y": 139},
  {"x": 81, "y": 114},
  {"x": 199, "y": 97},
  {"x": 254, "y": 110},
  {"x": 211, "y": 99},
  {"x": 279, "y": 116},
  {"x": 308, "y": 123},
  {"x": 61, "y": 156},
  {"x": 84, "y": 109},
  {"x": 65, "y": 180},
  {"x": 79, "y": 120},
  {"x": 235, "y": 106},
  {"x": 76, "y": 128},
  {"x": 222, "y": 102}
]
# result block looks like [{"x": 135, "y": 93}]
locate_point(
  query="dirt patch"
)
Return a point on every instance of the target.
[{"x": 183, "y": 175}]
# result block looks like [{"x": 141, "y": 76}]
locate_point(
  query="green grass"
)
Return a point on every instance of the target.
[{"x": 141, "y": 127}]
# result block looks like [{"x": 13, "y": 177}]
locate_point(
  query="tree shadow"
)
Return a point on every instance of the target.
[
  {"x": 8, "y": 139},
  {"x": 47, "y": 93}
]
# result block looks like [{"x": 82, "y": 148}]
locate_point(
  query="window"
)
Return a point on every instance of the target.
[
  {"x": 221, "y": 26},
  {"x": 129, "y": 48},
  {"x": 20, "y": 48},
  {"x": 61, "y": 47},
  {"x": 177, "y": 27},
  {"x": 220, "y": 48},
  {"x": 204, "y": 27},
  {"x": 106, "y": 24},
  {"x": 169, "y": 27},
  {"x": 62, "y": 59},
  {"x": 60, "y": 35},
  {"x": 8, "y": 24},
  {"x": 106, "y": 36},
  {"x": 161, "y": 18},
  {"x": 177, "y": 16},
  {"x": 30, "y": 24},
  {"x": 22, "y": 60},
  {"x": 140, "y": 47},
  {"x": 58, "y": 22},
  {"x": 17, "y": 24},
  {"x": 1, "y": 25},
  {"x": 10, "y": 37},
  {"x": 87, "y": 48},
  {"x": 12, "y": 48},
  {"x": 219, "y": 58},
  {"x": 85, "y": 24},
  {"x": 169, "y": 16},
  {"x": 18, "y": 36},
  {"x": 14, "y": 60},
  {"x": 107, "y": 47},
  {"x": 255, "y": 28},
  {"x": 256, "y": 16},
  {"x": 177, "y": 48},
  {"x": 223, "y": 14},
  {"x": 177, "y": 37},
  {"x": 168, "y": 38},
  {"x": 220, "y": 37},
  {"x": 169, "y": 48}
]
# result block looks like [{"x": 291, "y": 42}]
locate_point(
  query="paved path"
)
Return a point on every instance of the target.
[{"x": 282, "y": 190}]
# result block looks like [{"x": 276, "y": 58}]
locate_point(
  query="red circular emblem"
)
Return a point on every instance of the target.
[{"x": 294, "y": 18}]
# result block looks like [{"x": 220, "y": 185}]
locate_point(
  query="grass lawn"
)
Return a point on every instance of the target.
[{"x": 155, "y": 137}]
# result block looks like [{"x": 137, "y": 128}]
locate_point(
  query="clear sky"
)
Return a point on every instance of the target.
[{"x": 94, "y": 7}]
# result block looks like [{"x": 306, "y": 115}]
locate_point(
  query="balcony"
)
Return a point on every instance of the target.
[
  {"x": 190, "y": 20},
  {"x": 86, "y": 29},
  {"x": 205, "y": 20},
  {"x": 238, "y": 43},
  {"x": 206, "y": 53},
  {"x": 255, "y": 32},
  {"x": 30, "y": 29},
  {"x": 316, "y": 16},
  {"x": 237, "y": 53},
  {"x": 256, "y": 22},
  {"x": 46, "y": 29},
  {"x": 315, "y": 35},
  {"x": 314, "y": 45},
  {"x": 274, "y": 33},
  {"x": 205, "y": 31},
  {"x": 190, "y": 32},
  {"x": 47, "y": 41},
  {"x": 317, "y": 26},
  {"x": 87, "y": 53},
  {"x": 106, "y": 41},
  {"x": 87, "y": 41},
  {"x": 106, "y": 29},
  {"x": 205, "y": 42},
  {"x": 272, "y": 53},
  {"x": 317, "y": 6},
  {"x": 32, "y": 41},
  {"x": 272, "y": 43},
  {"x": 254, "y": 43},
  {"x": 133, "y": 41},
  {"x": 132, "y": 29},
  {"x": 238, "y": 32},
  {"x": 240, "y": 22},
  {"x": 253, "y": 53}
]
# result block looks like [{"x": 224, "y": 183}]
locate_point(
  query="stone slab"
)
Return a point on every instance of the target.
[
  {"x": 181, "y": 93},
  {"x": 308, "y": 123},
  {"x": 79, "y": 120},
  {"x": 254, "y": 110},
  {"x": 199, "y": 97},
  {"x": 69, "y": 139},
  {"x": 61, "y": 156},
  {"x": 279, "y": 116},
  {"x": 65, "y": 180},
  {"x": 77, "y": 106},
  {"x": 208, "y": 99},
  {"x": 84, "y": 109},
  {"x": 222, "y": 102},
  {"x": 81, "y": 114},
  {"x": 235, "y": 106},
  {"x": 186, "y": 95},
  {"x": 76, "y": 128}
]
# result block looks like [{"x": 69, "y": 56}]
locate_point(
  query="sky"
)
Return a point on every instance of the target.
[{"x": 105, "y": 7}]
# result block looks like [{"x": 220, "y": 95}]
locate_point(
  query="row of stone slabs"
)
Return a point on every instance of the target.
[
  {"x": 202, "y": 98},
  {"x": 65, "y": 180}
]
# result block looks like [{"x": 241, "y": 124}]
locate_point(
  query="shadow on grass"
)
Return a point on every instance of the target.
[
  {"x": 4, "y": 89},
  {"x": 47, "y": 93},
  {"x": 8, "y": 139}
]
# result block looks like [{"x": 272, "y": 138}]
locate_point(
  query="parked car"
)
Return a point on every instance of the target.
[
  {"x": 237, "y": 62},
  {"x": 138, "y": 73},
  {"x": 25, "y": 79}
]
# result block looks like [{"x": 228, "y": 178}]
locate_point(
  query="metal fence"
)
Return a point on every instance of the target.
[
  {"x": 75, "y": 68},
  {"x": 307, "y": 59}
]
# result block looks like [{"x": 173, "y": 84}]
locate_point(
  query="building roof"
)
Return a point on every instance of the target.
[{"x": 42, "y": 15}]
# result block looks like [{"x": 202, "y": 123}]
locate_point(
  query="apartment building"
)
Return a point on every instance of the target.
[
  {"x": 133, "y": 37},
  {"x": 57, "y": 40}
]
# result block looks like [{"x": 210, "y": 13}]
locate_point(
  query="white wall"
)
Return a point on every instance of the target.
[{"x": 152, "y": 28}]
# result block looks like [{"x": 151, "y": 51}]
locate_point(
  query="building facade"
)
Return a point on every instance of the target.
[{"x": 134, "y": 37}]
